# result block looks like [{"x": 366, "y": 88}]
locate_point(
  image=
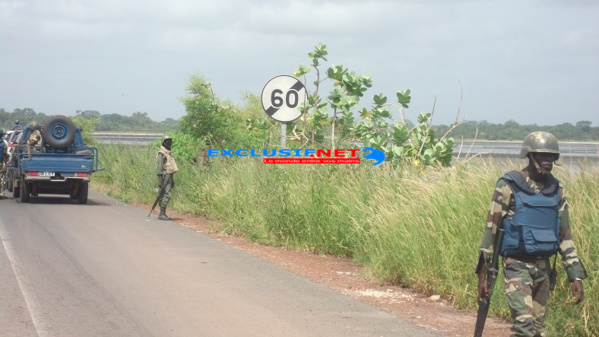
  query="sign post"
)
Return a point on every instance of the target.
[
  {"x": 283, "y": 135},
  {"x": 281, "y": 98}
]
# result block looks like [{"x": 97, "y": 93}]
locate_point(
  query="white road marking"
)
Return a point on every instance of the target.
[{"x": 30, "y": 299}]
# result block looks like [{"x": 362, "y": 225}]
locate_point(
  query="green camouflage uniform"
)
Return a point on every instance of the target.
[
  {"x": 4, "y": 153},
  {"x": 161, "y": 170},
  {"x": 527, "y": 279},
  {"x": 35, "y": 138}
]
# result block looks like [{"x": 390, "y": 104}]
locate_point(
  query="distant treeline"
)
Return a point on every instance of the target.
[
  {"x": 137, "y": 122},
  {"x": 511, "y": 130},
  {"x": 483, "y": 130}
]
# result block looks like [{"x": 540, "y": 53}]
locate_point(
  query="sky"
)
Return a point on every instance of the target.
[{"x": 531, "y": 61}]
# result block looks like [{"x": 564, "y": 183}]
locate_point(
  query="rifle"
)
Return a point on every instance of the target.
[
  {"x": 492, "y": 271},
  {"x": 160, "y": 193},
  {"x": 553, "y": 275}
]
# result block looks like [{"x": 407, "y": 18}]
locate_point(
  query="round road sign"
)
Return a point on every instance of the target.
[{"x": 282, "y": 97}]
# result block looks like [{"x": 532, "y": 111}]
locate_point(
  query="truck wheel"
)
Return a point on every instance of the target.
[
  {"x": 16, "y": 189},
  {"x": 82, "y": 197},
  {"x": 8, "y": 183},
  {"x": 24, "y": 191},
  {"x": 59, "y": 131}
]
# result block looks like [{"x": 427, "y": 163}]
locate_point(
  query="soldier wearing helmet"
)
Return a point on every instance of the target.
[
  {"x": 543, "y": 144},
  {"x": 531, "y": 208},
  {"x": 165, "y": 169}
]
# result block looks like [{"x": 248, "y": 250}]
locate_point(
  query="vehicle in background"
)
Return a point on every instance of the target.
[
  {"x": 13, "y": 138},
  {"x": 61, "y": 164},
  {"x": 7, "y": 134}
]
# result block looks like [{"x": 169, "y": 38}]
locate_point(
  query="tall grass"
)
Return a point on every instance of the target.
[{"x": 414, "y": 227}]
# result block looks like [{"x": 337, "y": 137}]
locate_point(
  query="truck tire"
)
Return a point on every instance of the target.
[
  {"x": 59, "y": 131},
  {"x": 24, "y": 191},
  {"x": 16, "y": 189},
  {"x": 9, "y": 182},
  {"x": 82, "y": 197}
]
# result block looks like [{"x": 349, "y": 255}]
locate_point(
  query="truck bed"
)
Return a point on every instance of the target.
[{"x": 64, "y": 163}]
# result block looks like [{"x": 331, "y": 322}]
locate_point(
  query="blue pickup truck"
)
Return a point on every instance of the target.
[{"x": 60, "y": 164}]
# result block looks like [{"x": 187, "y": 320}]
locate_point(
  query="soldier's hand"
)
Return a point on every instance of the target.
[
  {"x": 577, "y": 291},
  {"x": 483, "y": 287}
]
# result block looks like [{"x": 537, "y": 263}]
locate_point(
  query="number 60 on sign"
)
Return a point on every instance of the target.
[{"x": 281, "y": 98}]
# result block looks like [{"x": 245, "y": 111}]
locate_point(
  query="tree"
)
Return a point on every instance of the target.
[
  {"x": 27, "y": 112},
  {"x": 88, "y": 126},
  {"x": 207, "y": 118},
  {"x": 88, "y": 113},
  {"x": 584, "y": 126},
  {"x": 397, "y": 139},
  {"x": 141, "y": 119},
  {"x": 112, "y": 122},
  {"x": 348, "y": 88},
  {"x": 5, "y": 117},
  {"x": 26, "y": 115}
]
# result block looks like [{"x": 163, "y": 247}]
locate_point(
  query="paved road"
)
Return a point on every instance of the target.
[{"x": 103, "y": 269}]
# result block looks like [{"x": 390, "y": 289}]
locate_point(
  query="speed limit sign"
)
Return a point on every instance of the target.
[{"x": 282, "y": 97}]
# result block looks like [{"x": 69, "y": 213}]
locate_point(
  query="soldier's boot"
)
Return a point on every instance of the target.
[{"x": 162, "y": 215}]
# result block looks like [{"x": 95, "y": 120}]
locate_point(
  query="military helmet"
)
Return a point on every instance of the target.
[
  {"x": 539, "y": 141},
  {"x": 165, "y": 138},
  {"x": 34, "y": 125}
]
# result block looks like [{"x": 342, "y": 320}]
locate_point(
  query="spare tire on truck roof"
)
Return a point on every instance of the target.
[{"x": 59, "y": 131}]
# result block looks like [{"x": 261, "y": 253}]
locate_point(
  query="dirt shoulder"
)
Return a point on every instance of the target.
[{"x": 343, "y": 276}]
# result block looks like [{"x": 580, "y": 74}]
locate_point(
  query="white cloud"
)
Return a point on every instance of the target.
[{"x": 125, "y": 56}]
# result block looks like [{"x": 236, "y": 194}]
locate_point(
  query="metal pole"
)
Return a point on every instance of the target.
[{"x": 283, "y": 135}]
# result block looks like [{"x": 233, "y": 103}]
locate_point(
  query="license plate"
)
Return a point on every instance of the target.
[{"x": 46, "y": 174}]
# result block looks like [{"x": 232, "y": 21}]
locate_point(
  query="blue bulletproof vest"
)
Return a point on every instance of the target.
[
  {"x": 2, "y": 145},
  {"x": 534, "y": 228}
]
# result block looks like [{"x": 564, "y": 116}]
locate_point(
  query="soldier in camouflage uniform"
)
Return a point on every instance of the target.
[
  {"x": 531, "y": 206},
  {"x": 165, "y": 169},
  {"x": 35, "y": 138}
]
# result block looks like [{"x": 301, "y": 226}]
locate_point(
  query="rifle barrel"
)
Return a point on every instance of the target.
[
  {"x": 160, "y": 194},
  {"x": 481, "y": 317},
  {"x": 492, "y": 273}
]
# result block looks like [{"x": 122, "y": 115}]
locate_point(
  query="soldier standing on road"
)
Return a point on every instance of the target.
[
  {"x": 165, "y": 169},
  {"x": 531, "y": 206}
]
